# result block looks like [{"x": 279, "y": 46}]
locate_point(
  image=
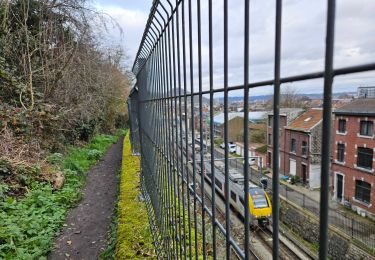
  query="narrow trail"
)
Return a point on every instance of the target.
[{"x": 85, "y": 233}]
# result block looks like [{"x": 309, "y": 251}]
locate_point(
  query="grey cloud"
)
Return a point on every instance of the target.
[{"x": 303, "y": 41}]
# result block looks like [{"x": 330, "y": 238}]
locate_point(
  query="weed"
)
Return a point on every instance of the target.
[
  {"x": 29, "y": 225},
  {"x": 55, "y": 158},
  {"x": 94, "y": 154}
]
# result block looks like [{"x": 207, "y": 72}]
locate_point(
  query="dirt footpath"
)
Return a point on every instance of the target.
[{"x": 87, "y": 225}]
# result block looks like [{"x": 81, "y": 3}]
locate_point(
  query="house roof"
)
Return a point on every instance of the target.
[
  {"x": 286, "y": 111},
  {"x": 253, "y": 116},
  {"x": 364, "y": 106},
  {"x": 307, "y": 120}
]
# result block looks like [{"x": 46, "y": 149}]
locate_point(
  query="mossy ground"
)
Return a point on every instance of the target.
[{"x": 134, "y": 239}]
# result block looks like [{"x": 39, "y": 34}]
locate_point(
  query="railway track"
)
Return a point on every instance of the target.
[
  {"x": 285, "y": 252},
  {"x": 261, "y": 240}
]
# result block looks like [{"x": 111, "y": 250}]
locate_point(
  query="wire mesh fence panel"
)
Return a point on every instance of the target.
[
  {"x": 188, "y": 176},
  {"x": 133, "y": 118}
]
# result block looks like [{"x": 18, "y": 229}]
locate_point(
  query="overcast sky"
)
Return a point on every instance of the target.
[{"x": 303, "y": 36}]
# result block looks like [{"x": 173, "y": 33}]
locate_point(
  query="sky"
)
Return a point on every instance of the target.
[{"x": 303, "y": 40}]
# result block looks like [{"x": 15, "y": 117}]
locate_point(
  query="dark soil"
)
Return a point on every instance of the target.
[{"x": 87, "y": 226}]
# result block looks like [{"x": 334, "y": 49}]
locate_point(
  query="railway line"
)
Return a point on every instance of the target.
[{"x": 261, "y": 238}]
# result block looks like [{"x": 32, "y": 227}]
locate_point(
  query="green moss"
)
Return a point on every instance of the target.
[{"x": 134, "y": 239}]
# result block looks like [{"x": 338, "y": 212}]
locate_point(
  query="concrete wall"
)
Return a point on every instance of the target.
[{"x": 315, "y": 173}]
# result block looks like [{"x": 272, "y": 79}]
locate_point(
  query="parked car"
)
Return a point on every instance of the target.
[
  {"x": 252, "y": 161},
  {"x": 232, "y": 147}
]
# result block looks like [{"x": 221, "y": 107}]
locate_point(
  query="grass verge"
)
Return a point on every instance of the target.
[
  {"x": 134, "y": 239},
  {"x": 29, "y": 225}
]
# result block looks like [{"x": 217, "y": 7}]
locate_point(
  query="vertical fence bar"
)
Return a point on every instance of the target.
[
  {"x": 276, "y": 126},
  {"x": 167, "y": 144},
  {"x": 172, "y": 218},
  {"x": 186, "y": 125},
  {"x": 326, "y": 131},
  {"x": 246, "y": 128},
  {"x": 226, "y": 184},
  {"x": 177, "y": 237},
  {"x": 191, "y": 60},
  {"x": 182, "y": 197},
  {"x": 213, "y": 192},
  {"x": 202, "y": 167}
]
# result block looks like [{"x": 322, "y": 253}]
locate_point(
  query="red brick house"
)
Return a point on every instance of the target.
[
  {"x": 287, "y": 115},
  {"x": 353, "y": 164},
  {"x": 302, "y": 154}
]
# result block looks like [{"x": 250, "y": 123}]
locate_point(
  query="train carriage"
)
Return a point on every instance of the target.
[{"x": 260, "y": 206}]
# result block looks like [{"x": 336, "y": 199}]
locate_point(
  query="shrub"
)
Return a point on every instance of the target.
[
  {"x": 261, "y": 149},
  {"x": 54, "y": 158},
  {"x": 218, "y": 141},
  {"x": 94, "y": 154},
  {"x": 295, "y": 179}
]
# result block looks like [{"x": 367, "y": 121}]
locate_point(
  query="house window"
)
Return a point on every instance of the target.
[
  {"x": 269, "y": 139},
  {"x": 304, "y": 148},
  {"x": 233, "y": 195},
  {"x": 362, "y": 191},
  {"x": 342, "y": 125},
  {"x": 364, "y": 158},
  {"x": 366, "y": 128},
  {"x": 293, "y": 145},
  {"x": 270, "y": 122},
  {"x": 340, "y": 152},
  {"x": 269, "y": 159},
  {"x": 218, "y": 184}
]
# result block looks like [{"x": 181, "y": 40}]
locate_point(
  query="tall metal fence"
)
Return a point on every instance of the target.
[
  {"x": 171, "y": 85},
  {"x": 133, "y": 118}
]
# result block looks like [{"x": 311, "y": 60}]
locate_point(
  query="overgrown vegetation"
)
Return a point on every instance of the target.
[
  {"x": 28, "y": 225},
  {"x": 218, "y": 141},
  {"x": 134, "y": 239},
  {"x": 258, "y": 132},
  {"x": 59, "y": 85},
  {"x": 262, "y": 149}
]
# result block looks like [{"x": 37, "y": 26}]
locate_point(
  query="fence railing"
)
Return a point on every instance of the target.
[
  {"x": 362, "y": 231},
  {"x": 171, "y": 84}
]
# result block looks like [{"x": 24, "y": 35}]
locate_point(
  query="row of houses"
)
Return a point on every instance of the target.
[{"x": 353, "y": 146}]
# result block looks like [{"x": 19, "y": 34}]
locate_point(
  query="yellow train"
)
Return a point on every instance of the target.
[{"x": 260, "y": 206}]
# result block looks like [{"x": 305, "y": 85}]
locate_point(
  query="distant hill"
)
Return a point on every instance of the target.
[{"x": 268, "y": 97}]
